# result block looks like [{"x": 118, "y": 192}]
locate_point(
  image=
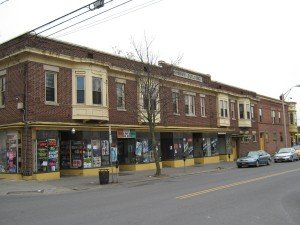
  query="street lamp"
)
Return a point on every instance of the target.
[{"x": 283, "y": 96}]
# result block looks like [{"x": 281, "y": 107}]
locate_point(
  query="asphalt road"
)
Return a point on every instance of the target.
[{"x": 264, "y": 195}]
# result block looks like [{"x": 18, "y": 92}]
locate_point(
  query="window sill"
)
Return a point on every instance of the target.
[
  {"x": 121, "y": 109},
  {"x": 176, "y": 114},
  {"x": 190, "y": 115},
  {"x": 52, "y": 103}
]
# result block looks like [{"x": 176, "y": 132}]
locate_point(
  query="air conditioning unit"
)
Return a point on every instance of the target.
[{"x": 20, "y": 105}]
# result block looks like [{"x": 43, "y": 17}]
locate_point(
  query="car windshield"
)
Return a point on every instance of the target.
[
  {"x": 252, "y": 154},
  {"x": 284, "y": 150}
]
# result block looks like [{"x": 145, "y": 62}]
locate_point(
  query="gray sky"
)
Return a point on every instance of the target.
[{"x": 253, "y": 45}]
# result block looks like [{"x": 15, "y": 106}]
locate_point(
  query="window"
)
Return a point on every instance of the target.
[
  {"x": 223, "y": 108},
  {"x": 248, "y": 111},
  {"x": 150, "y": 96},
  {"x": 97, "y": 90},
  {"x": 279, "y": 117},
  {"x": 241, "y": 109},
  {"x": 292, "y": 119},
  {"x": 202, "y": 105},
  {"x": 189, "y": 101},
  {"x": 274, "y": 136},
  {"x": 2, "y": 91},
  {"x": 252, "y": 112},
  {"x": 232, "y": 109},
  {"x": 120, "y": 96},
  {"x": 50, "y": 86},
  {"x": 260, "y": 115},
  {"x": 175, "y": 100},
  {"x": 80, "y": 89},
  {"x": 281, "y": 136},
  {"x": 273, "y": 116}
]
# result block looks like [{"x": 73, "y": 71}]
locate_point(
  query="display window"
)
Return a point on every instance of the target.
[
  {"x": 10, "y": 150},
  {"x": 47, "y": 146},
  {"x": 85, "y": 149},
  {"x": 209, "y": 145}
]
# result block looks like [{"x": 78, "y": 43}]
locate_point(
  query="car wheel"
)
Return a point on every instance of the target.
[
  {"x": 257, "y": 163},
  {"x": 239, "y": 166},
  {"x": 269, "y": 162}
]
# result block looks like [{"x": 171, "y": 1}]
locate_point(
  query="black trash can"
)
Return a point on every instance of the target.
[{"x": 103, "y": 176}]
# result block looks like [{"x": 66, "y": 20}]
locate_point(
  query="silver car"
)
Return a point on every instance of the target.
[{"x": 286, "y": 155}]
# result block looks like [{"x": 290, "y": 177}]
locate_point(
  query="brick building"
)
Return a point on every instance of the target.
[{"x": 67, "y": 109}]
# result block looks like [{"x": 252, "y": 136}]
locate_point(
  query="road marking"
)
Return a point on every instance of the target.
[{"x": 232, "y": 185}]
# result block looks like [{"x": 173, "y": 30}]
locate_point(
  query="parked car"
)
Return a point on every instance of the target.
[
  {"x": 254, "y": 158},
  {"x": 285, "y": 155},
  {"x": 297, "y": 148}
]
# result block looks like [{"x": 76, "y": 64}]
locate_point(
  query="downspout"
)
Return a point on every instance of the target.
[{"x": 25, "y": 118}]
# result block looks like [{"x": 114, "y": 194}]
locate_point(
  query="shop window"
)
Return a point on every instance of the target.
[
  {"x": 51, "y": 87},
  {"x": 97, "y": 90},
  {"x": 9, "y": 152},
  {"x": 80, "y": 89},
  {"x": 2, "y": 91},
  {"x": 210, "y": 146}
]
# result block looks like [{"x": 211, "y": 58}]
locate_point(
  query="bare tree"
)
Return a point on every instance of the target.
[{"x": 153, "y": 102}]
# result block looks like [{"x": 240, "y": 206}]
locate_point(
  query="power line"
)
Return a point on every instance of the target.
[
  {"x": 3, "y": 2},
  {"x": 114, "y": 16}
]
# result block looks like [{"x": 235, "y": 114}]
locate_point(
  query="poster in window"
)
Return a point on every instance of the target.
[{"x": 104, "y": 147}]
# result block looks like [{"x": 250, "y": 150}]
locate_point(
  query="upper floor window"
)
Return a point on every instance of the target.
[
  {"x": 150, "y": 95},
  {"x": 80, "y": 89},
  {"x": 223, "y": 105},
  {"x": 51, "y": 86},
  {"x": 279, "y": 117},
  {"x": 252, "y": 112},
  {"x": 248, "y": 111},
  {"x": 97, "y": 90},
  {"x": 241, "y": 111},
  {"x": 273, "y": 116},
  {"x": 120, "y": 95},
  {"x": 292, "y": 118},
  {"x": 232, "y": 109},
  {"x": 2, "y": 91},
  {"x": 260, "y": 114},
  {"x": 202, "y": 105},
  {"x": 189, "y": 102},
  {"x": 175, "y": 102}
]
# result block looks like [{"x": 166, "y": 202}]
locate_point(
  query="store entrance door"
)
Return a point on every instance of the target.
[{"x": 126, "y": 151}]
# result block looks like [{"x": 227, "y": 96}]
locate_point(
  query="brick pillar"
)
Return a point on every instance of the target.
[{"x": 27, "y": 153}]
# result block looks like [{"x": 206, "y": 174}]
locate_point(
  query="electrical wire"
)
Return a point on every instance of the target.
[
  {"x": 3, "y": 2},
  {"x": 111, "y": 17},
  {"x": 89, "y": 18}
]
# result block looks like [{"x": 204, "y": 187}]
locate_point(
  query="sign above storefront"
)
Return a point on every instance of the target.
[{"x": 126, "y": 133}]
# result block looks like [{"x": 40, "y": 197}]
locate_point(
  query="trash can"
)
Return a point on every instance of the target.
[{"x": 103, "y": 176}]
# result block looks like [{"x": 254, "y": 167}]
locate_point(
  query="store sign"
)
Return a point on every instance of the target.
[
  {"x": 126, "y": 133},
  {"x": 187, "y": 75}
]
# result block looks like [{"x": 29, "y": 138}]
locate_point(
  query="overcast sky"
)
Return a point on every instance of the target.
[{"x": 253, "y": 45}]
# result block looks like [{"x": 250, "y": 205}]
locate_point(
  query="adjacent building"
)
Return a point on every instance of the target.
[{"x": 68, "y": 109}]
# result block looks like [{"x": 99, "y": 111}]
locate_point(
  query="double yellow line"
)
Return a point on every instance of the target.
[{"x": 186, "y": 196}]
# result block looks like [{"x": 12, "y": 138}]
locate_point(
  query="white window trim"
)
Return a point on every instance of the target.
[
  {"x": 191, "y": 101},
  {"x": 55, "y": 88},
  {"x": 177, "y": 102},
  {"x": 84, "y": 99},
  {"x": 123, "y": 107},
  {"x": 202, "y": 105}
]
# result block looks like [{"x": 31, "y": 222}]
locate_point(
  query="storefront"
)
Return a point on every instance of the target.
[
  {"x": 134, "y": 150},
  {"x": 194, "y": 148}
]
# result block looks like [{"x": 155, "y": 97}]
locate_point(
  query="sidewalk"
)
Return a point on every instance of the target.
[{"x": 77, "y": 183}]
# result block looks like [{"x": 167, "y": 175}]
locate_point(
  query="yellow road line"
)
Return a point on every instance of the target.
[{"x": 232, "y": 185}]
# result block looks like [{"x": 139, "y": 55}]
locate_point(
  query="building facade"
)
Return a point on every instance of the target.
[{"x": 67, "y": 109}]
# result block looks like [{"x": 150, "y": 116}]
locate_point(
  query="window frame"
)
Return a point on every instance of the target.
[
  {"x": 175, "y": 102},
  {"x": 232, "y": 109},
  {"x": 84, "y": 88},
  {"x": 54, "y": 73},
  {"x": 100, "y": 93},
  {"x": 202, "y": 106},
  {"x": 2, "y": 90},
  {"x": 189, "y": 105},
  {"x": 223, "y": 106},
  {"x": 120, "y": 92}
]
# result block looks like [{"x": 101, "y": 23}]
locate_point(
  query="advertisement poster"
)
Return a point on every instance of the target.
[
  {"x": 95, "y": 144},
  {"x": 104, "y": 147}
]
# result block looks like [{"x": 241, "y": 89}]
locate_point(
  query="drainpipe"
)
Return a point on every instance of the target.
[{"x": 25, "y": 118}]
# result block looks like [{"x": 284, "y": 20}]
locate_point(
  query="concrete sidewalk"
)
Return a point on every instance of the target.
[{"x": 78, "y": 183}]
